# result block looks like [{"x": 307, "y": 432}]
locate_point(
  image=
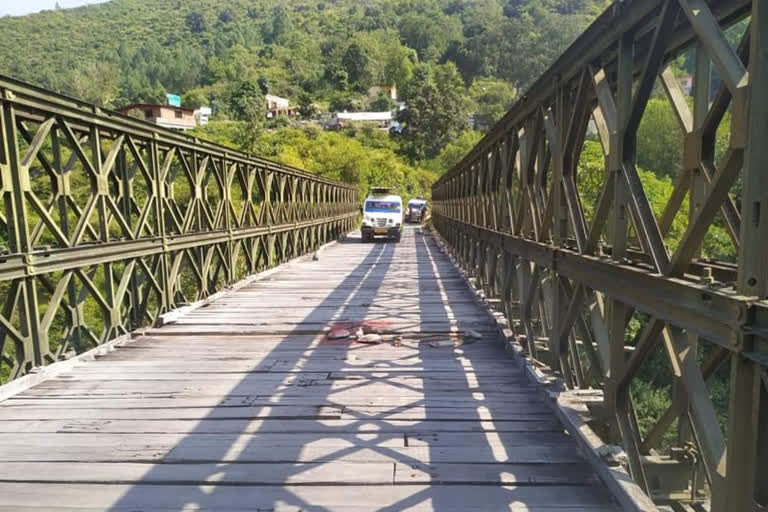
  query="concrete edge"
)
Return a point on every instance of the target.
[
  {"x": 43, "y": 373},
  {"x": 569, "y": 405}
]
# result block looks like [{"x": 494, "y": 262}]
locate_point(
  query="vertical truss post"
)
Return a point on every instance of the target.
[
  {"x": 617, "y": 311},
  {"x": 34, "y": 342},
  {"x": 746, "y": 436}
]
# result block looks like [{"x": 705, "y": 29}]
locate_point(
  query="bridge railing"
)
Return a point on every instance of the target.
[
  {"x": 108, "y": 222},
  {"x": 598, "y": 294}
]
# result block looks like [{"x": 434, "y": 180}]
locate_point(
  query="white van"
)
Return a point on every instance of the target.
[{"x": 382, "y": 215}]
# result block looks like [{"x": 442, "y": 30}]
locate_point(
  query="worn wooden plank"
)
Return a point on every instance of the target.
[
  {"x": 233, "y": 441},
  {"x": 328, "y": 473},
  {"x": 96, "y": 402},
  {"x": 339, "y": 395},
  {"x": 531, "y": 454},
  {"x": 270, "y": 425},
  {"x": 283, "y": 412},
  {"x": 211, "y": 497},
  {"x": 542, "y": 474}
]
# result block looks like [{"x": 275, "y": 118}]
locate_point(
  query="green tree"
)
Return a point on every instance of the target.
[
  {"x": 436, "y": 111},
  {"x": 454, "y": 151},
  {"x": 492, "y": 98},
  {"x": 382, "y": 103},
  {"x": 96, "y": 82},
  {"x": 430, "y": 35},
  {"x": 345, "y": 102},
  {"x": 226, "y": 16},
  {"x": 356, "y": 62},
  {"x": 307, "y": 108},
  {"x": 196, "y": 22},
  {"x": 246, "y": 103},
  {"x": 263, "y": 83},
  {"x": 281, "y": 25},
  {"x": 659, "y": 139}
]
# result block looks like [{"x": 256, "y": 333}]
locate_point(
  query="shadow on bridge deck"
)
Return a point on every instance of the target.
[{"x": 245, "y": 405}]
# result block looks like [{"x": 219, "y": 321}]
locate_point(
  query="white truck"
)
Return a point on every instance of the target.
[{"x": 382, "y": 215}]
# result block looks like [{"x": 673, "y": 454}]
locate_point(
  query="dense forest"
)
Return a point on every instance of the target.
[{"x": 448, "y": 59}]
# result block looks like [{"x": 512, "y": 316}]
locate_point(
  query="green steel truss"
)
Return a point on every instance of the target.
[
  {"x": 512, "y": 214},
  {"x": 108, "y": 222}
]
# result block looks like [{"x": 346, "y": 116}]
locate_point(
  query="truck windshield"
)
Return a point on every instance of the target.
[{"x": 382, "y": 207}]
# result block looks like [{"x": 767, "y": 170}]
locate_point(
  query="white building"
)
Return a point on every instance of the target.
[
  {"x": 382, "y": 119},
  {"x": 203, "y": 115},
  {"x": 277, "y": 106}
]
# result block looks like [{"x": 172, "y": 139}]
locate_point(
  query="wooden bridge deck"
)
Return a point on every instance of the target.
[{"x": 245, "y": 405}]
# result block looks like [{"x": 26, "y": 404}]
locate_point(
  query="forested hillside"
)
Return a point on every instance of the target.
[
  {"x": 448, "y": 59},
  {"x": 140, "y": 48}
]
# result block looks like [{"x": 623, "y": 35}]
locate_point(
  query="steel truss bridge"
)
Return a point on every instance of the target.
[{"x": 164, "y": 330}]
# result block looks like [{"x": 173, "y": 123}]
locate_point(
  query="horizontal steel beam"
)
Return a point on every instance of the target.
[
  {"x": 41, "y": 262},
  {"x": 719, "y": 315}
]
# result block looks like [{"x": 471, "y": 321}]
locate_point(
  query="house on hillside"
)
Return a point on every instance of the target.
[
  {"x": 382, "y": 120},
  {"x": 279, "y": 107},
  {"x": 166, "y": 116}
]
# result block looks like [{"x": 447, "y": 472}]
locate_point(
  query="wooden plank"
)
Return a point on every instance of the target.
[
  {"x": 266, "y": 426},
  {"x": 253, "y": 387},
  {"x": 514, "y": 507},
  {"x": 523, "y": 474},
  {"x": 415, "y": 498},
  {"x": 479, "y": 440},
  {"x": 97, "y": 402},
  {"x": 327, "y": 473},
  {"x": 283, "y": 412},
  {"x": 337, "y": 395},
  {"x": 531, "y": 454}
]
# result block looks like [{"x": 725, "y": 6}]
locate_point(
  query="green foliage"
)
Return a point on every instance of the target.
[
  {"x": 356, "y": 62},
  {"x": 382, "y": 103},
  {"x": 660, "y": 139},
  {"x": 363, "y": 157},
  {"x": 313, "y": 46},
  {"x": 492, "y": 98},
  {"x": 247, "y": 103},
  {"x": 96, "y": 83},
  {"x": 307, "y": 108},
  {"x": 437, "y": 110},
  {"x": 454, "y": 151},
  {"x": 196, "y": 22}
]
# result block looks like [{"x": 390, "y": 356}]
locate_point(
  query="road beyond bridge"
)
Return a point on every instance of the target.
[{"x": 245, "y": 404}]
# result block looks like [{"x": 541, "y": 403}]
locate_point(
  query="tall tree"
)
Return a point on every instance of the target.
[
  {"x": 437, "y": 110},
  {"x": 196, "y": 22},
  {"x": 357, "y": 64},
  {"x": 96, "y": 82}
]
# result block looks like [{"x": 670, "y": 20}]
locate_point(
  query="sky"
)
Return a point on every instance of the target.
[{"x": 18, "y": 7}]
